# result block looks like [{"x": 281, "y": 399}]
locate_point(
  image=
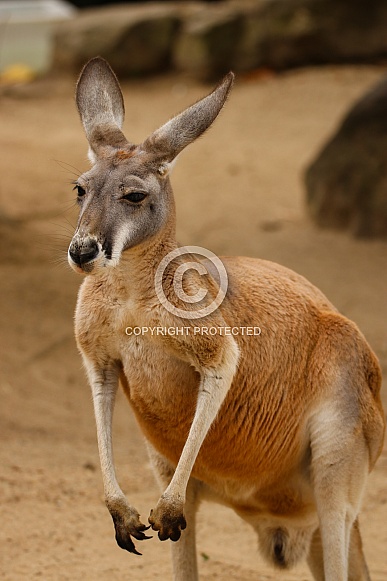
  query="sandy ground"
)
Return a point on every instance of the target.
[{"x": 239, "y": 191}]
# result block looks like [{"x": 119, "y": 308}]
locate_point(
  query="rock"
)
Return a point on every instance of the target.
[
  {"x": 276, "y": 34},
  {"x": 208, "y": 41},
  {"x": 136, "y": 40},
  {"x": 347, "y": 183},
  {"x": 282, "y": 34}
]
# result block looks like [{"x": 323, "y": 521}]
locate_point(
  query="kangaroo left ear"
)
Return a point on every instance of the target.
[
  {"x": 101, "y": 106},
  {"x": 168, "y": 141}
]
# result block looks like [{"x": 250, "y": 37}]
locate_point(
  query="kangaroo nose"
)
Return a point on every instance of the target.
[{"x": 83, "y": 252}]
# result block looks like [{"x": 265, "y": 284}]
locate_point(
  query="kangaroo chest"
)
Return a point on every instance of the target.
[{"x": 163, "y": 391}]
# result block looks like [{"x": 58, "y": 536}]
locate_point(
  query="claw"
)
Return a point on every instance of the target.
[
  {"x": 168, "y": 526},
  {"x": 143, "y": 528},
  {"x": 175, "y": 536},
  {"x": 126, "y": 529},
  {"x": 127, "y": 545},
  {"x": 140, "y": 536},
  {"x": 146, "y": 528}
]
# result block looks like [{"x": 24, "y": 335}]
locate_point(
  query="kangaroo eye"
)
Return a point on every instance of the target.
[
  {"x": 135, "y": 197},
  {"x": 80, "y": 191}
]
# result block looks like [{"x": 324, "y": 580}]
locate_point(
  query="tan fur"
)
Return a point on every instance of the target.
[{"x": 283, "y": 427}]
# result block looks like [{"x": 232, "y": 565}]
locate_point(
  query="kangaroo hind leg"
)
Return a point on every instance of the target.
[
  {"x": 358, "y": 570},
  {"x": 339, "y": 468}
]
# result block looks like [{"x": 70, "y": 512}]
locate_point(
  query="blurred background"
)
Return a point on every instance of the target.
[{"x": 294, "y": 170}]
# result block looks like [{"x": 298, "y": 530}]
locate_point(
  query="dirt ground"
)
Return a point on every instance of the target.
[{"x": 239, "y": 190}]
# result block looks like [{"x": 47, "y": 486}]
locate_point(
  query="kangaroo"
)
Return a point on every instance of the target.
[{"x": 282, "y": 425}]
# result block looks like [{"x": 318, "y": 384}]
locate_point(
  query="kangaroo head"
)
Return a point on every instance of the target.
[{"x": 126, "y": 198}]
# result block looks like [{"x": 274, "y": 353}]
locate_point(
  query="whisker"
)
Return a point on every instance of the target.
[
  {"x": 68, "y": 205},
  {"x": 64, "y": 227},
  {"x": 59, "y": 263},
  {"x": 63, "y": 165},
  {"x": 56, "y": 237},
  {"x": 70, "y": 224}
]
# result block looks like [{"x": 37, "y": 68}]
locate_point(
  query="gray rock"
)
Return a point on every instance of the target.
[
  {"x": 136, "y": 40},
  {"x": 347, "y": 183},
  {"x": 208, "y": 41},
  {"x": 287, "y": 33}
]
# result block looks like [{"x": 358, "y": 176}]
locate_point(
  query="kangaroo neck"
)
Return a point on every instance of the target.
[{"x": 135, "y": 273}]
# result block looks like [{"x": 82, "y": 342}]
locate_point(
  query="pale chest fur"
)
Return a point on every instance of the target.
[{"x": 162, "y": 389}]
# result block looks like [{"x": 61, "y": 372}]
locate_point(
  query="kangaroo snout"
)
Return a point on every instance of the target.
[{"x": 82, "y": 252}]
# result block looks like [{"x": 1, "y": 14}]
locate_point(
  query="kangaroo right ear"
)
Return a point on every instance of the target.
[
  {"x": 101, "y": 105},
  {"x": 170, "y": 139}
]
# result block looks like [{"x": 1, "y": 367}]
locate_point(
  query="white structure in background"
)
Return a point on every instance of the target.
[{"x": 26, "y": 32}]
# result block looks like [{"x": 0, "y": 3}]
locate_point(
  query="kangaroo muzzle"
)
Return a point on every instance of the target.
[{"x": 82, "y": 252}]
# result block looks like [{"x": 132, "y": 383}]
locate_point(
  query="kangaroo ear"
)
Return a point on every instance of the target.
[
  {"x": 100, "y": 105},
  {"x": 168, "y": 141}
]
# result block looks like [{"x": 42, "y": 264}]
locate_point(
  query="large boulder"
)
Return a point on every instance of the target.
[
  {"x": 248, "y": 34},
  {"x": 136, "y": 40},
  {"x": 347, "y": 183},
  {"x": 209, "y": 39},
  {"x": 288, "y": 33}
]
